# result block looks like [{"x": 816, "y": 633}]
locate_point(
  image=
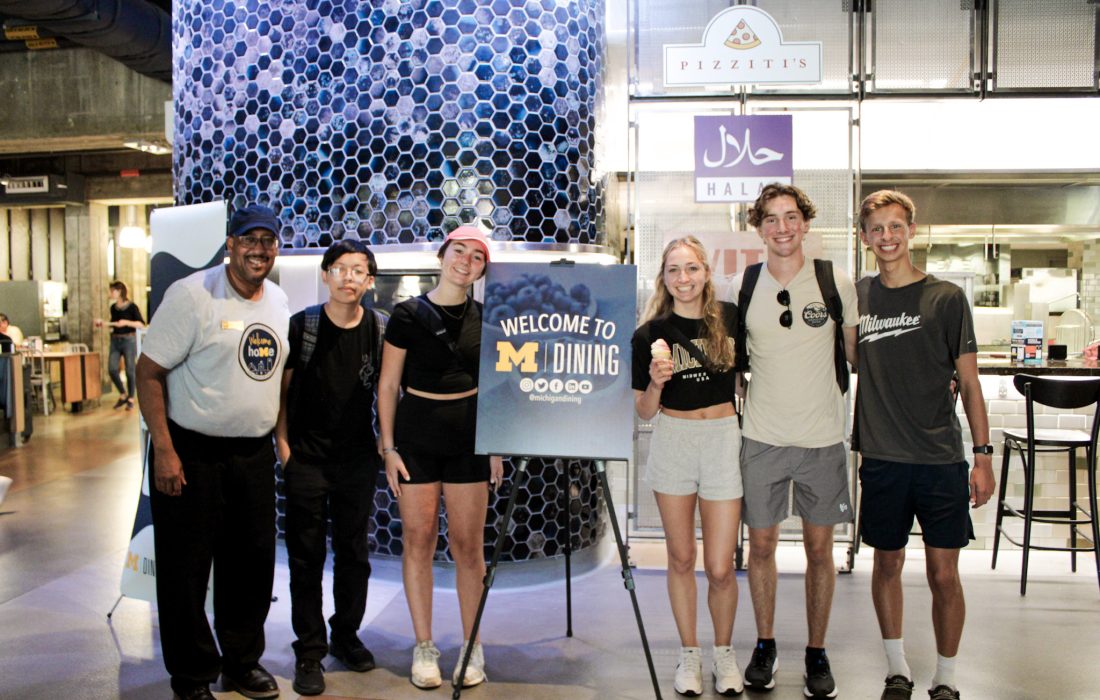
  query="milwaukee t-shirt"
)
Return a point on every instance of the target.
[{"x": 909, "y": 339}]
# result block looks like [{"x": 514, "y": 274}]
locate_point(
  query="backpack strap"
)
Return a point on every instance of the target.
[
  {"x": 309, "y": 334},
  {"x": 380, "y": 321},
  {"x": 428, "y": 317},
  {"x": 826, "y": 282},
  {"x": 744, "y": 296}
]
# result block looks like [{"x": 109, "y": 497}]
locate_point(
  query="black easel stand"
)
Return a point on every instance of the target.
[
  {"x": 567, "y": 531},
  {"x": 490, "y": 573}
]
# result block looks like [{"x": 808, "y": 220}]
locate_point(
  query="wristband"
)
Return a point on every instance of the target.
[
  {"x": 387, "y": 450},
  {"x": 983, "y": 449}
]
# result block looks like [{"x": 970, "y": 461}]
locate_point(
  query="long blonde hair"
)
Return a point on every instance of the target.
[{"x": 716, "y": 346}]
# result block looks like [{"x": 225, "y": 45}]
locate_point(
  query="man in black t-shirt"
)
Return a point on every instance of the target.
[
  {"x": 325, "y": 440},
  {"x": 915, "y": 333}
]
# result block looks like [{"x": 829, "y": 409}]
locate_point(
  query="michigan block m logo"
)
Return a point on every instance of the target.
[{"x": 508, "y": 357}]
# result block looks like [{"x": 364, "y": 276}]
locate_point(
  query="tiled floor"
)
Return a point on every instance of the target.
[{"x": 66, "y": 524}]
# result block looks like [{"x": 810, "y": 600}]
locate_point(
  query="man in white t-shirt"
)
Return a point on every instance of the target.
[
  {"x": 793, "y": 431},
  {"x": 208, "y": 384}
]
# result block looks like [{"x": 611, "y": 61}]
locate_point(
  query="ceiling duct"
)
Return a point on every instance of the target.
[{"x": 133, "y": 32}]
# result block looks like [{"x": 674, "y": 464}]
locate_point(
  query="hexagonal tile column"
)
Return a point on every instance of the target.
[{"x": 394, "y": 122}]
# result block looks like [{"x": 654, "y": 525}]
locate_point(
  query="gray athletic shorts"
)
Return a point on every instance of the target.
[
  {"x": 695, "y": 456},
  {"x": 820, "y": 476}
]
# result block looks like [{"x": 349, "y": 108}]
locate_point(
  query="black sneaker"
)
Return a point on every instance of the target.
[
  {"x": 760, "y": 673},
  {"x": 897, "y": 688},
  {"x": 819, "y": 678},
  {"x": 943, "y": 692},
  {"x": 352, "y": 654},
  {"x": 309, "y": 677}
]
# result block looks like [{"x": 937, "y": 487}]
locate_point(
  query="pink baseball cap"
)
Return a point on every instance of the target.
[{"x": 469, "y": 233}]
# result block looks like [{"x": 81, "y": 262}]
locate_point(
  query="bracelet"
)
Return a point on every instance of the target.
[{"x": 387, "y": 450}]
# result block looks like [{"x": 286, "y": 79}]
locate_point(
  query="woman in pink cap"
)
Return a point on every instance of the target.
[{"x": 432, "y": 348}]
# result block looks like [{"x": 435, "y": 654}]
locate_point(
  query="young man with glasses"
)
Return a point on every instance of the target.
[
  {"x": 208, "y": 386},
  {"x": 916, "y": 333},
  {"x": 793, "y": 432},
  {"x": 330, "y": 460}
]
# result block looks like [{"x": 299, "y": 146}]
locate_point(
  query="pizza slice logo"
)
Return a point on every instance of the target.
[{"x": 742, "y": 37}]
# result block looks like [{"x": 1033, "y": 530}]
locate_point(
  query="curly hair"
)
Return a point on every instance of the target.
[
  {"x": 884, "y": 198},
  {"x": 770, "y": 192},
  {"x": 716, "y": 345}
]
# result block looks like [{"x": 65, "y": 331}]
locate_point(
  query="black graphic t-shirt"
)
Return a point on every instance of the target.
[
  {"x": 691, "y": 385},
  {"x": 330, "y": 411},
  {"x": 909, "y": 339}
]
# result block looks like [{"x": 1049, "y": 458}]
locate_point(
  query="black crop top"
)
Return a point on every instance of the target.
[
  {"x": 691, "y": 386},
  {"x": 430, "y": 365}
]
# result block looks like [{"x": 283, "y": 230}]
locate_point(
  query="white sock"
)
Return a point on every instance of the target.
[
  {"x": 895, "y": 658},
  {"x": 945, "y": 672}
]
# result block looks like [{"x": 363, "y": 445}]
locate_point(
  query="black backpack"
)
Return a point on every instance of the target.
[{"x": 823, "y": 270}]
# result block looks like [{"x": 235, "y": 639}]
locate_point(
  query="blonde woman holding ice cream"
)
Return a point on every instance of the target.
[{"x": 683, "y": 379}]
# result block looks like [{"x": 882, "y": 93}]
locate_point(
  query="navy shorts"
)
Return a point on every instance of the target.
[{"x": 893, "y": 493}]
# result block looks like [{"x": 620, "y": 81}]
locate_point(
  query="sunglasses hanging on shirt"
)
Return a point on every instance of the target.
[{"x": 786, "y": 319}]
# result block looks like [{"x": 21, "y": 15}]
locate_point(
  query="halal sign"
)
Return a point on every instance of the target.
[
  {"x": 736, "y": 156},
  {"x": 741, "y": 45}
]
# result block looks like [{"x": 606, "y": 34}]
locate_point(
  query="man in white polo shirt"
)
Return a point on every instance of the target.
[
  {"x": 208, "y": 384},
  {"x": 794, "y": 421}
]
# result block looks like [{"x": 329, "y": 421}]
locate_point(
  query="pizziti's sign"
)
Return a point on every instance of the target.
[{"x": 742, "y": 45}]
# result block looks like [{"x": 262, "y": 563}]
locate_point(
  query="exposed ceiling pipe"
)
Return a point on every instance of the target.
[{"x": 132, "y": 32}]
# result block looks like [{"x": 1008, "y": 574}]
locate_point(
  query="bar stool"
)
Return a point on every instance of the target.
[{"x": 1056, "y": 392}]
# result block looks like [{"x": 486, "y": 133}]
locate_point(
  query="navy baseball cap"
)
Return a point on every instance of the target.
[{"x": 253, "y": 216}]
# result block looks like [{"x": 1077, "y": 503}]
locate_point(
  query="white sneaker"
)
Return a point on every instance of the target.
[
  {"x": 425, "y": 668},
  {"x": 475, "y": 670},
  {"x": 727, "y": 677},
  {"x": 689, "y": 672}
]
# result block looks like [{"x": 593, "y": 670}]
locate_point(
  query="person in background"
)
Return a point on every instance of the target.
[
  {"x": 795, "y": 417},
  {"x": 432, "y": 348},
  {"x": 331, "y": 461},
  {"x": 683, "y": 358},
  {"x": 125, "y": 321},
  {"x": 12, "y": 332},
  {"x": 915, "y": 333},
  {"x": 208, "y": 385}
]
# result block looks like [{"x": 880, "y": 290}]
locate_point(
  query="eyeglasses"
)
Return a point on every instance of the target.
[
  {"x": 355, "y": 274},
  {"x": 251, "y": 241},
  {"x": 786, "y": 319}
]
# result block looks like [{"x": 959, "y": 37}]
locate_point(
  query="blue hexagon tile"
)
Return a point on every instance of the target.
[{"x": 393, "y": 121}]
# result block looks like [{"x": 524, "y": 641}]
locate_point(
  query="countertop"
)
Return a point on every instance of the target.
[{"x": 999, "y": 363}]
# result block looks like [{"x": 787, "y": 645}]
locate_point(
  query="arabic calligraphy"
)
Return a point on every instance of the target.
[{"x": 733, "y": 152}]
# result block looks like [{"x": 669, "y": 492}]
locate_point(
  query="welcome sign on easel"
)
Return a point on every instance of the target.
[{"x": 555, "y": 361}]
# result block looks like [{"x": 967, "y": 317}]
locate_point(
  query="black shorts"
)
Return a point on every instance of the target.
[
  {"x": 892, "y": 493},
  {"x": 436, "y": 440},
  {"x": 466, "y": 468}
]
